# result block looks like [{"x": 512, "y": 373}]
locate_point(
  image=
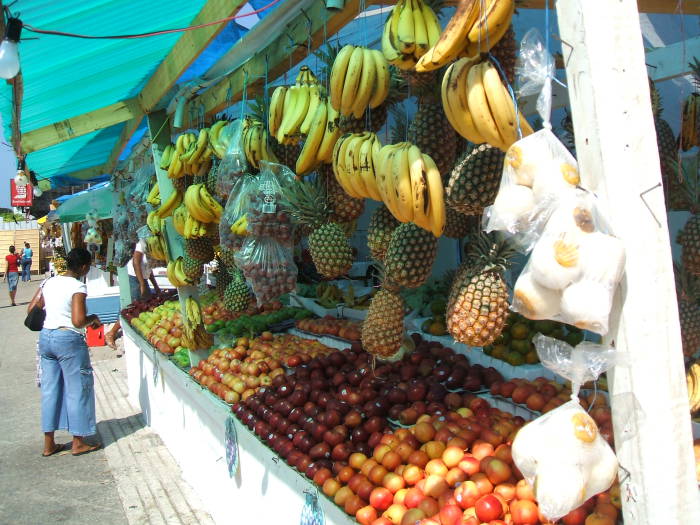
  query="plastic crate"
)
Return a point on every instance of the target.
[{"x": 95, "y": 336}]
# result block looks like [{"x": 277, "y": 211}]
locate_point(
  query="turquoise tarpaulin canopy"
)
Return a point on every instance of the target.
[{"x": 73, "y": 208}]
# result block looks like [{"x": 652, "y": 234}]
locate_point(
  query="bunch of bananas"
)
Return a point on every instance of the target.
[
  {"x": 410, "y": 185},
  {"x": 196, "y": 338},
  {"x": 359, "y": 79},
  {"x": 255, "y": 143},
  {"x": 475, "y": 27},
  {"x": 354, "y": 165},
  {"x": 154, "y": 196},
  {"x": 292, "y": 108},
  {"x": 240, "y": 227},
  {"x": 193, "y": 312},
  {"x": 176, "y": 274},
  {"x": 692, "y": 377},
  {"x": 690, "y": 126},
  {"x": 190, "y": 155},
  {"x": 201, "y": 205},
  {"x": 154, "y": 222},
  {"x": 479, "y": 106},
  {"x": 166, "y": 208},
  {"x": 188, "y": 226},
  {"x": 217, "y": 141},
  {"x": 411, "y": 29},
  {"x": 156, "y": 247}
]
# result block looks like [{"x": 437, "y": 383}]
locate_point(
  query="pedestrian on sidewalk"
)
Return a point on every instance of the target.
[
  {"x": 12, "y": 262},
  {"x": 67, "y": 384},
  {"x": 27, "y": 254}
]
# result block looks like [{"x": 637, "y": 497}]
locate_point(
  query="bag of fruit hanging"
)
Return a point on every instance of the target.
[
  {"x": 574, "y": 268},
  {"x": 538, "y": 169},
  {"x": 562, "y": 453},
  {"x": 268, "y": 268},
  {"x": 266, "y": 216},
  {"x": 233, "y": 226},
  {"x": 233, "y": 164}
]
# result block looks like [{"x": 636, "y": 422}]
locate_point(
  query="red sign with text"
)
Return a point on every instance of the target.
[{"x": 20, "y": 196}]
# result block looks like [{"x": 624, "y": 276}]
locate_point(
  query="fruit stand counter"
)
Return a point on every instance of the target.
[{"x": 192, "y": 424}]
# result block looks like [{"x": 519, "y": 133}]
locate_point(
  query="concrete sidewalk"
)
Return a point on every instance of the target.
[{"x": 132, "y": 480}]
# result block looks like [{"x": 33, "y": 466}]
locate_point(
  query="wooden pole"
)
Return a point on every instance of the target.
[{"x": 618, "y": 159}]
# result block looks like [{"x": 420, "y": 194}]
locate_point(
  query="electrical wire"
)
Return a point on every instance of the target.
[{"x": 151, "y": 33}]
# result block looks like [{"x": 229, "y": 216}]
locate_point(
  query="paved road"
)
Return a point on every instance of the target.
[{"x": 133, "y": 480}]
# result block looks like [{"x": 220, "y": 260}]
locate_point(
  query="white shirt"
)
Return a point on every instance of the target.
[
  {"x": 145, "y": 270},
  {"x": 58, "y": 297}
]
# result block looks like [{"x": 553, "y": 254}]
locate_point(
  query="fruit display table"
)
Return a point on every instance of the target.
[{"x": 192, "y": 424}]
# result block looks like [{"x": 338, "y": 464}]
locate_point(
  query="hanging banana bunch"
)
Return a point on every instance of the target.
[
  {"x": 353, "y": 164},
  {"x": 409, "y": 32},
  {"x": 255, "y": 143},
  {"x": 359, "y": 80},
  {"x": 176, "y": 274}
]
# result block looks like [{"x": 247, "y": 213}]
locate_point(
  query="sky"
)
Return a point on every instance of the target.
[{"x": 8, "y": 168}]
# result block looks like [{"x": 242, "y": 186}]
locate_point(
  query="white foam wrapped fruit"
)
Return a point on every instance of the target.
[
  {"x": 513, "y": 206},
  {"x": 586, "y": 304},
  {"x": 603, "y": 258},
  {"x": 553, "y": 180},
  {"x": 524, "y": 159},
  {"x": 564, "y": 456},
  {"x": 556, "y": 262},
  {"x": 533, "y": 300}
]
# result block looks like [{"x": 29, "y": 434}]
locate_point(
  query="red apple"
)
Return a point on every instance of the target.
[
  {"x": 524, "y": 512},
  {"x": 450, "y": 515},
  {"x": 381, "y": 498},
  {"x": 489, "y": 507}
]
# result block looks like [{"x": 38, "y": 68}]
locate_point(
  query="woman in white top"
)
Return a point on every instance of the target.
[{"x": 67, "y": 387}]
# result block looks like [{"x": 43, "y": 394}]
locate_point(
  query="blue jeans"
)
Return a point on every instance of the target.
[
  {"x": 67, "y": 384},
  {"x": 136, "y": 289},
  {"x": 12, "y": 280},
  {"x": 27, "y": 270}
]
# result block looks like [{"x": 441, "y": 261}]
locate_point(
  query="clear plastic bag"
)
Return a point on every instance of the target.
[
  {"x": 538, "y": 170},
  {"x": 535, "y": 70},
  {"x": 233, "y": 164},
  {"x": 233, "y": 229},
  {"x": 268, "y": 268},
  {"x": 562, "y": 453},
  {"x": 574, "y": 268},
  {"x": 266, "y": 216}
]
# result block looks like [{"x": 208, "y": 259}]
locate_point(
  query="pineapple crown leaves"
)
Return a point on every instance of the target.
[
  {"x": 326, "y": 55},
  {"x": 656, "y": 106},
  {"x": 307, "y": 202},
  {"x": 695, "y": 68},
  {"x": 399, "y": 127},
  {"x": 688, "y": 172},
  {"x": 491, "y": 251}
]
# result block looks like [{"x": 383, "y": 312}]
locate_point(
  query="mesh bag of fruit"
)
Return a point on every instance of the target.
[
  {"x": 574, "y": 268},
  {"x": 266, "y": 216},
  {"x": 233, "y": 164},
  {"x": 268, "y": 268},
  {"x": 562, "y": 453},
  {"x": 233, "y": 226}
]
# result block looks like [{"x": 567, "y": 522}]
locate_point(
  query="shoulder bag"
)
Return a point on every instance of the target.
[{"x": 36, "y": 316}]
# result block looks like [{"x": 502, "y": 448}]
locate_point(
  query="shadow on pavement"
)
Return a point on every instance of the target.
[{"x": 112, "y": 430}]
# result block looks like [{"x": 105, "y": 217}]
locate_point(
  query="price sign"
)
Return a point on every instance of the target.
[
  {"x": 268, "y": 190},
  {"x": 231, "y": 440},
  {"x": 311, "y": 513}
]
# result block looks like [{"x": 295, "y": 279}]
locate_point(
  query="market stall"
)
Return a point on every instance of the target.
[{"x": 408, "y": 281}]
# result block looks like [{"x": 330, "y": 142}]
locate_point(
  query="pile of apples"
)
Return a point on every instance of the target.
[
  {"x": 235, "y": 373},
  {"x": 344, "y": 328},
  {"x": 162, "y": 326},
  {"x": 543, "y": 395}
]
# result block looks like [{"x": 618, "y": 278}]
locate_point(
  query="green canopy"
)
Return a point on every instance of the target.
[{"x": 75, "y": 207}]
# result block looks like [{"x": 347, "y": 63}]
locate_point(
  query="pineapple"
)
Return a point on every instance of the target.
[
  {"x": 236, "y": 295},
  {"x": 409, "y": 257},
  {"x": 306, "y": 202},
  {"x": 477, "y": 306},
  {"x": 689, "y": 236},
  {"x": 200, "y": 249},
  {"x": 222, "y": 277},
  {"x": 506, "y": 52},
  {"x": 373, "y": 120},
  {"x": 458, "y": 226},
  {"x": 345, "y": 208},
  {"x": 381, "y": 225},
  {"x": 193, "y": 268},
  {"x": 668, "y": 152},
  {"x": 382, "y": 330},
  {"x": 474, "y": 181},
  {"x": 688, "y": 310}
]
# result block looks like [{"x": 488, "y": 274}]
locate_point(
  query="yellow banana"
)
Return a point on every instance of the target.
[
  {"x": 406, "y": 33},
  {"x": 367, "y": 83},
  {"x": 383, "y": 80},
  {"x": 308, "y": 157},
  {"x": 202, "y": 143},
  {"x": 479, "y": 108},
  {"x": 384, "y": 178},
  {"x": 195, "y": 207},
  {"x": 431, "y": 22},
  {"x": 154, "y": 195},
  {"x": 401, "y": 183},
  {"x": 500, "y": 103},
  {"x": 496, "y": 14},
  {"x": 338, "y": 74},
  {"x": 299, "y": 110},
  {"x": 339, "y": 165},
  {"x": 421, "y": 29},
  {"x": 210, "y": 202},
  {"x": 172, "y": 202},
  {"x": 418, "y": 187},
  {"x": 354, "y": 179},
  {"x": 389, "y": 52},
  {"x": 454, "y": 112},
  {"x": 330, "y": 136},
  {"x": 352, "y": 81},
  {"x": 366, "y": 166},
  {"x": 314, "y": 102},
  {"x": 437, "y": 213},
  {"x": 290, "y": 97},
  {"x": 165, "y": 157}
]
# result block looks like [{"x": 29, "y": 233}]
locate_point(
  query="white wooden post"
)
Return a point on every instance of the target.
[{"x": 618, "y": 158}]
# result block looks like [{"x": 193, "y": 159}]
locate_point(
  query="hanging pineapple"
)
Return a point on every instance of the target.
[
  {"x": 477, "y": 306},
  {"x": 192, "y": 268},
  {"x": 506, "y": 53},
  {"x": 236, "y": 295},
  {"x": 307, "y": 203},
  {"x": 458, "y": 226},
  {"x": 474, "y": 181},
  {"x": 381, "y": 225},
  {"x": 345, "y": 208},
  {"x": 688, "y": 296},
  {"x": 690, "y": 123},
  {"x": 689, "y": 236},
  {"x": 383, "y": 329},
  {"x": 222, "y": 277},
  {"x": 409, "y": 257}
]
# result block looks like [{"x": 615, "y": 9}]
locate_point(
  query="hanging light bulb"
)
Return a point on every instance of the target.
[
  {"x": 37, "y": 191},
  {"x": 9, "y": 54},
  {"x": 21, "y": 178}
]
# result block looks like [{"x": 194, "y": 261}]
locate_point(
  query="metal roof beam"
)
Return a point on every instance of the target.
[{"x": 644, "y": 6}]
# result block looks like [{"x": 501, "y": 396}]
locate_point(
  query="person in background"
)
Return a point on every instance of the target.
[
  {"x": 12, "y": 262},
  {"x": 139, "y": 272},
  {"x": 67, "y": 383},
  {"x": 27, "y": 254}
]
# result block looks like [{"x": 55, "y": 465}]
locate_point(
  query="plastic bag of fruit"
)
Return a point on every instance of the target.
[
  {"x": 233, "y": 164},
  {"x": 233, "y": 226},
  {"x": 266, "y": 216},
  {"x": 562, "y": 453},
  {"x": 574, "y": 268},
  {"x": 268, "y": 268}
]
